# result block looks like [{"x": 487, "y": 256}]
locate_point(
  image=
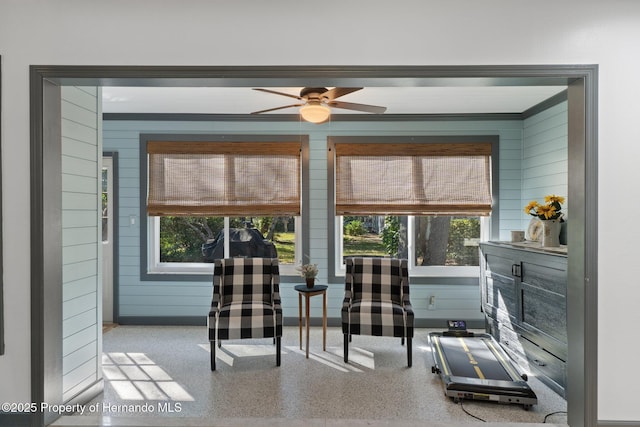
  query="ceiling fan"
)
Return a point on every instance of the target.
[{"x": 317, "y": 100}]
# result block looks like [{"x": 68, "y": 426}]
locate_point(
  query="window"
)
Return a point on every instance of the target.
[
  {"x": 426, "y": 199},
  {"x": 210, "y": 198},
  {"x": 188, "y": 245},
  {"x": 434, "y": 245}
]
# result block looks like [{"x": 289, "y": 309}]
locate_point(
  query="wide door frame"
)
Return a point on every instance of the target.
[{"x": 46, "y": 305}]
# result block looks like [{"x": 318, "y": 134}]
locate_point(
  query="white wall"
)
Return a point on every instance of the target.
[{"x": 254, "y": 32}]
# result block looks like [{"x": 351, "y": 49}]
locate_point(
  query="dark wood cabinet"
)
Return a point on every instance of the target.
[{"x": 524, "y": 299}]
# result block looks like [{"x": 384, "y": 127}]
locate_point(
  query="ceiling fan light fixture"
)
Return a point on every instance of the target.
[{"x": 315, "y": 112}]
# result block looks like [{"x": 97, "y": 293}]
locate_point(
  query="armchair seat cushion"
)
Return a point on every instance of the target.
[
  {"x": 240, "y": 320},
  {"x": 378, "y": 318}
]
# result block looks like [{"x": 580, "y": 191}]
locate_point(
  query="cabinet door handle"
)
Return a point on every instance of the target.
[
  {"x": 539, "y": 362},
  {"x": 516, "y": 270}
]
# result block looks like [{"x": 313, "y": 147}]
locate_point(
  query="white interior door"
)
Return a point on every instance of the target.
[{"x": 107, "y": 240}]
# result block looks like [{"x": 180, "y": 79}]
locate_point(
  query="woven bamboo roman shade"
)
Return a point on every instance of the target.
[
  {"x": 223, "y": 178},
  {"x": 413, "y": 179}
]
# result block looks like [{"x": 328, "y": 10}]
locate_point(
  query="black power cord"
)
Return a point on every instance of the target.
[
  {"x": 553, "y": 413},
  {"x": 546, "y": 417},
  {"x": 469, "y": 413}
]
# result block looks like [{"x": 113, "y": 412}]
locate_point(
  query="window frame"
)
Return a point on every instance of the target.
[
  {"x": 422, "y": 274},
  {"x": 415, "y": 270},
  {"x": 153, "y": 270}
]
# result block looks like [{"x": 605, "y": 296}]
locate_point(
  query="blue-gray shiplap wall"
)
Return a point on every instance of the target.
[
  {"x": 545, "y": 157},
  {"x": 81, "y": 244},
  {"x": 163, "y": 299}
]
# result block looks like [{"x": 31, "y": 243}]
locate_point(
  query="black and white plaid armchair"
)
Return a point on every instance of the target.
[
  {"x": 246, "y": 302},
  {"x": 377, "y": 301}
]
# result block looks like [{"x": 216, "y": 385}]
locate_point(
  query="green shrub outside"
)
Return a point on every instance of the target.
[
  {"x": 391, "y": 234},
  {"x": 354, "y": 228}
]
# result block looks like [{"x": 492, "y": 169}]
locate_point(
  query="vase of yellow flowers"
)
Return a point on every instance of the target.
[
  {"x": 550, "y": 215},
  {"x": 309, "y": 272}
]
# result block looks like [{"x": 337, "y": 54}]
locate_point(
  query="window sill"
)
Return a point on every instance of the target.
[{"x": 196, "y": 272}]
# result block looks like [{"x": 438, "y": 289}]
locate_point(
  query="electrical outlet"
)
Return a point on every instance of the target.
[{"x": 431, "y": 305}]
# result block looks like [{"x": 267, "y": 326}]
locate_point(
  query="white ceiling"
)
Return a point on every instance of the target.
[{"x": 398, "y": 100}]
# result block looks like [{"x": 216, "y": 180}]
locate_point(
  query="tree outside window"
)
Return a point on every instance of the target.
[{"x": 436, "y": 240}]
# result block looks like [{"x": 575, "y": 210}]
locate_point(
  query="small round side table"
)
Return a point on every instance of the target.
[{"x": 308, "y": 293}]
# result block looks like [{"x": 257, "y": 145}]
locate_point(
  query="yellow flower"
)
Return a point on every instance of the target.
[
  {"x": 552, "y": 198},
  {"x": 548, "y": 211},
  {"x": 532, "y": 205}
]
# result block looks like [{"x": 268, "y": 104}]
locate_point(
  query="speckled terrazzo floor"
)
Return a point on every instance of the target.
[{"x": 164, "y": 370}]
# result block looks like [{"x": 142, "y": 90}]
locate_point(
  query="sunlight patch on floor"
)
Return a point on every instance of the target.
[
  {"x": 243, "y": 350},
  {"x": 134, "y": 376},
  {"x": 333, "y": 357},
  {"x": 330, "y": 358},
  {"x": 228, "y": 352}
]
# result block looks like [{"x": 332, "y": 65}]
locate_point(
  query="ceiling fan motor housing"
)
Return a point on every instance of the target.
[{"x": 308, "y": 92}]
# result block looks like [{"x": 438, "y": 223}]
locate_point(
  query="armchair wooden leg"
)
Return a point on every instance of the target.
[
  {"x": 213, "y": 355},
  {"x": 409, "y": 352},
  {"x": 347, "y": 338},
  {"x": 277, "y": 351}
]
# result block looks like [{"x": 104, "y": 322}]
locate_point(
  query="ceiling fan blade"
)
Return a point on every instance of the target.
[
  {"x": 277, "y": 108},
  {"x": 337, "y": 92},
  {"x": 278, "y": 93},
  {"x": 358, "y": 107}
]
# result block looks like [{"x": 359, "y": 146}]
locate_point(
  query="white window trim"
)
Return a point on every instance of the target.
[
  {"x": 154, "y": 266},
  {"x": 417, "y": 271}
]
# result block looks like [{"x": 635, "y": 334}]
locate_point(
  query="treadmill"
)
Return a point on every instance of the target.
[{"x": 474, "y": 367}]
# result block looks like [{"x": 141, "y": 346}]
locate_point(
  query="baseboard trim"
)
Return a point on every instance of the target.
[
  {"x": 15, "y": 420},
  {"x": 88, "y": 394},
  {"x": 287, "y": 321},
  {"x": 163, "y": 321},
  {"x": 608, "y": 423}
]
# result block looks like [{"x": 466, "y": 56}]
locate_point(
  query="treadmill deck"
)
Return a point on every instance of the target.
[{"x": 475, "y": 367}]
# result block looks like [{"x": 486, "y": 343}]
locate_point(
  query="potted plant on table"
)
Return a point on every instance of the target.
[
  {"x": 309, "y": 272},
  {"x": 550, "y": 215}
]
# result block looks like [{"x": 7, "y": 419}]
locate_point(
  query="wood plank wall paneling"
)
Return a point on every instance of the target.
[
  {"x": 168, "y": 298},
  {"x": 81, "y": 154},
  {"x": 545, "y": 157}
]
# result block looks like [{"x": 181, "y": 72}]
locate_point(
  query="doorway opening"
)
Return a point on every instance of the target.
[{"x": 582, "y": 83}]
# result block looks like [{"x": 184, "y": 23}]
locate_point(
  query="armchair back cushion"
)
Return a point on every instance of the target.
[
  {"x": 382, "y": 279},
  {"x": 246, "y": 280}
]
